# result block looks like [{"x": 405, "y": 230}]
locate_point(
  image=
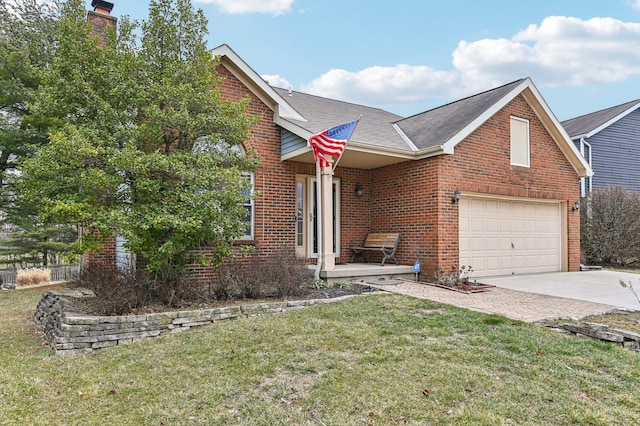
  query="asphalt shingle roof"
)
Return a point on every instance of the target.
[
  {"x": 425, "y": 130},
  {"x": 375, "y": 127},
  {"x": 587, "y": 123},
  {"x": 436, "y": 126}
]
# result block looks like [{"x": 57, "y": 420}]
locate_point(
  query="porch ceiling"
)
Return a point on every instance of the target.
[{"x": 352, "y": 158}]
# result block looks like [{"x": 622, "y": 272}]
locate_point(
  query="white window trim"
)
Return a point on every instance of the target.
[
  {"x": 528, "y": 143},
  {"x": 252, "y": 205},
  {"x": 586, "y": 184},
  {"x": 310, "y": 181}
]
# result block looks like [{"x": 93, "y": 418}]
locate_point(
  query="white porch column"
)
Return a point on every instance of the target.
[{"x": 326, "y": 188}]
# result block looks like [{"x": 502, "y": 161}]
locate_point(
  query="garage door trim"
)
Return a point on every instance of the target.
[{"x": 562, "y": 211}]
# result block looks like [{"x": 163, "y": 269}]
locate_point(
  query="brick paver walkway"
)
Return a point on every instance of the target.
[{"x": 519, "y": 305}]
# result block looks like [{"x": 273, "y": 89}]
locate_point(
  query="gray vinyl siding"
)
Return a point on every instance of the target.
[
  {"x": 616, "y": 154},
  {"x": 290, "y": 142}
]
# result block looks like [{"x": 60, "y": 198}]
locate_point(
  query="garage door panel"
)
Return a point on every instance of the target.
[
  {"x": 477, "y": 224},
  {"x": 478, "y": 244},
  {"x": 492, "y": 244},
  {"x": 541, "y": 243},
  {"x": 501, "y": 237},
  {"x": 491, "y": 224},
  {"x": 505, "y": 243},
  {"x": 520, "y": 261},
  {"x": 531, "y": 243},
  {"x": 542, "y": 260},
  {"x": 517, "y": 225},
  {"x": 506, "y": 263}
]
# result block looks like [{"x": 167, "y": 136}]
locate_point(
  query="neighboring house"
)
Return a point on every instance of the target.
[
  {"x": 610, "y": 142},
  {"x": 488, "y": 181}
]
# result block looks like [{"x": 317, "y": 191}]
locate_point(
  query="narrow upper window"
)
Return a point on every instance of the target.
[
  {"x": 519, "y": 142},
  {"x": 248, "y": 204}
]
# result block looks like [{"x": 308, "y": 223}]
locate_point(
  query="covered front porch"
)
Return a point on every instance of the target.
[{"x": 365, "y": 272}]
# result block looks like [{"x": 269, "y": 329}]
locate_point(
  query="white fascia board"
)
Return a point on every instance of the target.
[
  {"x": 405, "y": 138},
  {"x": 369, "y": 149},
  {"x": 282, "y": 107},
  {"x": 448, "y": 146},
  {"x": 293, "y": 128},
  {"x": 613, "y": 120},
  {"x": 418, "y": 154},
  {"x": 583, "y": 168},
  {"x": 354, "y": 147}
]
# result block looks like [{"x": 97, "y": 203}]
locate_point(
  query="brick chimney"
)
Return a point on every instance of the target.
[{"x": 101, "y": 19}]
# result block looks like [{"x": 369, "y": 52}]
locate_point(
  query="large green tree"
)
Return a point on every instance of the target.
[{"x": 141, "y": 143}]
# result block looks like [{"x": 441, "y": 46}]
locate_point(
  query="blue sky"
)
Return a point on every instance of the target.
[{"x": 407, "y": 56}]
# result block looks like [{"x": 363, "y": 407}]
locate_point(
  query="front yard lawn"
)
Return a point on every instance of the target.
[{"x": 371, "y": 360}]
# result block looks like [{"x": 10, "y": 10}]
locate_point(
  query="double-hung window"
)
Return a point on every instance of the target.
[{"x": 249, "y": 205}]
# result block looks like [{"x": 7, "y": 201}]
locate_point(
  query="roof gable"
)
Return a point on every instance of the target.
[
  {"x": 375, "y": 126},
  {"x": 243, "y": 72},
  {"x": 588, "y": 125}
]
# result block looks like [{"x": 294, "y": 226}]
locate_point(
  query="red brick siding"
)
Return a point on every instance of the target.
[
  {"x": 355, "y": 219},
  {"x": 105, "y": 258},
  {"x": 99, "y": 25},
  {"x": 274, "y": 180}
]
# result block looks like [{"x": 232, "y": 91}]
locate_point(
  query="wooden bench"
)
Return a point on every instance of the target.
[{"x": 386, "y": 243}]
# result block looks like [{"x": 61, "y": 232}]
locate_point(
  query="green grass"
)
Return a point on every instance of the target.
[{"x": 373, "y": 360}]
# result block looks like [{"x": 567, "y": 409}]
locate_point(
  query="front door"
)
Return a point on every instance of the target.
[{"x": 307, "y": 216}]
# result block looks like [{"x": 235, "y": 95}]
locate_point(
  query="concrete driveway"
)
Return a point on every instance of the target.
[{"x": 592, "y": 286}]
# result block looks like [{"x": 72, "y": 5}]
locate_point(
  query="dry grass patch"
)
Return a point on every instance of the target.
[
  {"x": 621, "y": 320},
  {"x": 33, "y": 276}
]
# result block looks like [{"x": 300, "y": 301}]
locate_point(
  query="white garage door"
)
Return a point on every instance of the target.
[{"x": 502, "y": 237}]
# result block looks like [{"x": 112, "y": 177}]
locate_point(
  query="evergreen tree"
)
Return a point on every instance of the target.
[{"x": 26, "y": 48}]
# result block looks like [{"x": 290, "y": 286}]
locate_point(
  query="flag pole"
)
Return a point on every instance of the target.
[
  {"x": 324, "y": 143},
  {"x": 345, "y": 148},
  {"x": 318, "y": 222}
]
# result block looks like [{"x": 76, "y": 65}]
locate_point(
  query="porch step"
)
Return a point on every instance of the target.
[
  {"x": 366, "y": 273},
  {"x": 590, "y": 268}
]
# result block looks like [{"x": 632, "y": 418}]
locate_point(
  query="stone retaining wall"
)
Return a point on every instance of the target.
[{"x": 70, "y": 332}]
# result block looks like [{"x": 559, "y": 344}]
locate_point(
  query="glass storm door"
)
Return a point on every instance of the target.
[{"x": 307, "y": 215}]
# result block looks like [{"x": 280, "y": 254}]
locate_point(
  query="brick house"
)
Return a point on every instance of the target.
[{"x": 489, "y": 181}]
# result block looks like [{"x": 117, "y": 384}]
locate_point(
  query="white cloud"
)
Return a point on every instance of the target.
[
  {"x": 635, "y": 4},
  {"x": 376, "y": 85},
  {"x": 271, "y": 7},
  {"x": 560, "y": 51},
  {"x": 276, "y": 80}
]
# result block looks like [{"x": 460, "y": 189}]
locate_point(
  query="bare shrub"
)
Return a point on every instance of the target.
[
  {"x": 287, "y": 275},
  {"x": 455, "y": 277},
  {"x": 26, "y": 277},
  {"x": 279, "y": 275},
  {"x": 610, "y": 226},
  {"x": 122, "y": 292},
  {"x": 117, "y": 293}
]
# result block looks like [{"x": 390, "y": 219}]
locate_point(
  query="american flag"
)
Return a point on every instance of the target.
[{"x": 331, "y": 142}]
